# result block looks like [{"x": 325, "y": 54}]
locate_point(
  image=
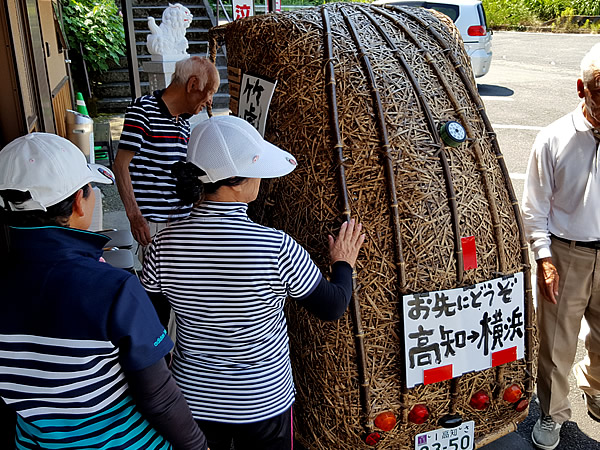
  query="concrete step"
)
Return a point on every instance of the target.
[
  {"x": 122, "y": 64},
  {"x": 113, "y": 105},
  {"x": 116, "y": 90},
  {"x": 195, "y": 48},
  {"x": 163, "y": 4},
  {"x": 190, "y": 34},
  {"x": 222, "y": 73},
  {"x": 119, "y": 89},
  {"x": 122, "y": 75},
  {"x": 117, "y": 105},
  {"x": 220, "y": 100},
  {"x": 221, "y": 59}
]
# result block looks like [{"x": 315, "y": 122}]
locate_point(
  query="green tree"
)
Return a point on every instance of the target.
[{"x": 98, "y": 26}]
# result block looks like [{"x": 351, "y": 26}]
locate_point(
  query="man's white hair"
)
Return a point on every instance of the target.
[
  {"x": 590, "y": 64},
  {"x": 196, "y": 66}
]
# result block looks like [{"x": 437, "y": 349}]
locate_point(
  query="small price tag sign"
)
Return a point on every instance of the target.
[{"x": 459, "y": 438}]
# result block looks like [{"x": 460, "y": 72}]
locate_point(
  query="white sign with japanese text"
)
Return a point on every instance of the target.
[
  {"x": 449, "y": 333},
  {"x": 242, "y": 8},
  {"x": 255, "y": 98}
]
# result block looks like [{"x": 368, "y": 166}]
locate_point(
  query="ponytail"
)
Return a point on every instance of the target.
[{"x": 190, "y": 189}]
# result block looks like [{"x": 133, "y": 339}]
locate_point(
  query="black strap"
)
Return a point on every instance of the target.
[
  {"x": 586, "y": 244},
  {"x": 4, "y": 245}
]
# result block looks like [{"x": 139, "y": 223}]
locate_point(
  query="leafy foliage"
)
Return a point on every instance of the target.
[
  {"x": 535, "y": 12},
  {"x": 98, "y": 26},
  {"x": 548, "y": 9},
  {"x": 587, "y": 7},
  {"x": 509, "y": 12}
]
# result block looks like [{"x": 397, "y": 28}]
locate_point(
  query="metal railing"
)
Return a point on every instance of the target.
[
  {"x": 131, "y": 51},
  {"x": 258, "y": 9},
  {"x": 130, "y": 43}
]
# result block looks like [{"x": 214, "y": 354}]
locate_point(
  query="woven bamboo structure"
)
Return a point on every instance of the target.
[{"x": 361, "y": 93}]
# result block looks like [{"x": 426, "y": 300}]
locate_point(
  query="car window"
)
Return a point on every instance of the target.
[
  {"x": 450, "y": 10},
  {"x": 482, "y": 17}
]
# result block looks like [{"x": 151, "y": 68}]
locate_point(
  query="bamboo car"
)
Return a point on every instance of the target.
[{"x": 379, "y": 106}]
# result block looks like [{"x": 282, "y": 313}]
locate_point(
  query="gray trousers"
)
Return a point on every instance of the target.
[{"x": 559, "y": 325}]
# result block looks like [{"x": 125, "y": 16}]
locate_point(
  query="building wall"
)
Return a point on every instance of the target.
[
  {"x": 55, "y": 55},
  {"x": 23, "y": 54},
  {"x": 61, "y": 102},
  {"x": 34, "y": 80},
  {"x": 11, "y": 117},
  {"x": 55, "y": 65}
]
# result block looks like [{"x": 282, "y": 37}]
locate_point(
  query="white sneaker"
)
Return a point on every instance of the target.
[{"x": 546, "y": 433}]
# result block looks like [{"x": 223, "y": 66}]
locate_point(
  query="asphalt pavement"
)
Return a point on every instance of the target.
[{"x": 531, "y": 83}]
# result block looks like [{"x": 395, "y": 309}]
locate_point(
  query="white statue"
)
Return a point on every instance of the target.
[{"x": 168, "y": 39}]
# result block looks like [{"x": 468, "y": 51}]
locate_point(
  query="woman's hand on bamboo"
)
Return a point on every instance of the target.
[{"x": 347, "y": 244}]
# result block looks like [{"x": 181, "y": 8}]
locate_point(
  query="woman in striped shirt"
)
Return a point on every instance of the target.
[{"x": 227, "y": 279}]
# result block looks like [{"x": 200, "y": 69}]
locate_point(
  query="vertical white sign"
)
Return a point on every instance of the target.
[
  {"x": 242, "y": 8},
  {"x": 255, "y": 98}
]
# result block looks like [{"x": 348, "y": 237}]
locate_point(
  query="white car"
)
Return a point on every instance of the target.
[{"x": 469, "y": 18}]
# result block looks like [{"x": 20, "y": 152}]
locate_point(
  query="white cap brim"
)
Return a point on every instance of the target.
[
  {"x": 100, "y": 174},
  {"x": 273, "y": 162}
]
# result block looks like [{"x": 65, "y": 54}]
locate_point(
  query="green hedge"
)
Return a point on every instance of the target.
[{"x": 535, "y": 12}]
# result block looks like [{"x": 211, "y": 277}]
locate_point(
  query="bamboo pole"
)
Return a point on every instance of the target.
[
  {"x": 446, "y": 171},
  {"x": 338, "y": 151}
]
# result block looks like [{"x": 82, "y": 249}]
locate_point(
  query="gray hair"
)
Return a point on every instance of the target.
[
  {"x": 590, "y": 64},
  {"x": 205, "y": 70}
]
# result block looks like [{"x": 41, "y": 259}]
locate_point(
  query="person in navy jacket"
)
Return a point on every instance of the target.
[{"x": 81, "y": 347}]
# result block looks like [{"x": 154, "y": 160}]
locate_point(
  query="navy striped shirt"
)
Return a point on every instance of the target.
[
  {"x": 70, "y": 327},
  {"x": 158, "y": 140},
  {"x": 227, "y": 279}
]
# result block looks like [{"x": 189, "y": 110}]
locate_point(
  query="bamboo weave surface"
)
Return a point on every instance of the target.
[{"x": 330, "y": 411}]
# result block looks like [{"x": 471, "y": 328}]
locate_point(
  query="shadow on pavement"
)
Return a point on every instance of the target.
[
  {"x": 494, "y": 91},
  {"x": 571, "y": 437}
]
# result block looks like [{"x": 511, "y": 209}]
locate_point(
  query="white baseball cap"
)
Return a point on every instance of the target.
[
  {"x": 47, "y": 166},
  {"x": 228, "y": 146}
]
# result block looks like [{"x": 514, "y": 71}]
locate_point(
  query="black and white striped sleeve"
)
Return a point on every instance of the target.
[
  {"x": 298, "y": 272},
  {"x": 150, "y": 278}
]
